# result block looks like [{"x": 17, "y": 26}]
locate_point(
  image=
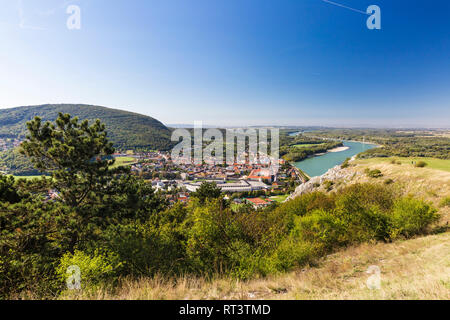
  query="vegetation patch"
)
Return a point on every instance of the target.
[{"x": 112, "y": 225}]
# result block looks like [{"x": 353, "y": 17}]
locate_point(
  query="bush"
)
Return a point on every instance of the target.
[
  {"x": 411, "y": 217},
  {"x": 148, "y": 249},
  {"x": 319, "y": 228},
  {"x": 374, "y": 173},
  {"x": 306, "y": 203},
  {"x": 346, "y": 163},
  {"x": 445, "y": 202},
  {"x": 359, "y": 197},
  {"x": 95, "y": 269},
  {"x": 291, "y": 253},
  {"x": 328, "y": 185},
  {"x": 421, "y": 164}
]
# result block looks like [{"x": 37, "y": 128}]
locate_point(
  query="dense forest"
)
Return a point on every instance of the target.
[
  {"x": 17, "y": 164},
  {"x": 111, "y": 225},
  {"x": 126, "y": 130}
]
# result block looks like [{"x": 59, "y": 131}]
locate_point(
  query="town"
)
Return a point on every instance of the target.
[{"x": 258, "y": 185}]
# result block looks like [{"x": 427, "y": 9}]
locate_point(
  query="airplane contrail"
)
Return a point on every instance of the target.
[{"x": 345, "y": 7}]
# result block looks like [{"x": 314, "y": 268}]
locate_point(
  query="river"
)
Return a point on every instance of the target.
[{"x": 319, "y": 165}]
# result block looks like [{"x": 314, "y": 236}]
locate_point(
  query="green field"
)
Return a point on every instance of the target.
[
  {"x": 280, "y": 199},
  {"x": 27, "y": 177},
  {"x": 437, "y": 164},
  {"x": 308, "y": 145},
  {"x": 123, "y": 161}
]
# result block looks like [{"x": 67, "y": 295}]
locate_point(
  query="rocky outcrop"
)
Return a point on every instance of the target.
[{"x": 336, "y": 174}]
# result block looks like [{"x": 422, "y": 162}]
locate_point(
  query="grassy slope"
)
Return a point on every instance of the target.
[
  {"x": 431, "y": 183},
  {"x": 437, "y": 164},
  {"x": 413, "y": 269}
]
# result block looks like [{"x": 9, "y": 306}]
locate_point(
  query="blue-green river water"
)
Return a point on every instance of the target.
[{"x": 319, "y": 165}]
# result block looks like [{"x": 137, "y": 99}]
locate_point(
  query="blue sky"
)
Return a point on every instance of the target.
[{"x": 233, "y": 62}]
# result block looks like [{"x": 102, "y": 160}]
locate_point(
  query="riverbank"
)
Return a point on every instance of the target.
[{"x": 319, "y": 164}]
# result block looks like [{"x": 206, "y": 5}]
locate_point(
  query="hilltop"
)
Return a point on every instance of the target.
[
  {"x": 126, "y": 130},
  {"x": 416, "y": 268},
  {"x": 410, "y": 269}
]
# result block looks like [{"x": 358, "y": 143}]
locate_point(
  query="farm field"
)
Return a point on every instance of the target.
[
  {"x": 308, "y": 145},
  {"x": 27, "y": 177},
  {"x": 123, "y": 161}
]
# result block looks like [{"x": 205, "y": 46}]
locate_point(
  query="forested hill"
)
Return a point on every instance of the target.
[{"x": 126, "y": 130}]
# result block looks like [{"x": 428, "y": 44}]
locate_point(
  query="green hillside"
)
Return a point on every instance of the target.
[{"x": 126, "y": 130}]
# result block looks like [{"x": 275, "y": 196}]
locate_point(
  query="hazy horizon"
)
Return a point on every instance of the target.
[{"x": 316, "y": 123}]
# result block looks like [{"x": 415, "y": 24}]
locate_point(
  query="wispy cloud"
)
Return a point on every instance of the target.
[{"x": 345, "y": 7}]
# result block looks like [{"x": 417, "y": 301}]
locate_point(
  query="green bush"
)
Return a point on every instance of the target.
[
  {"x": 291, "y": 253},
  {"x": 300, "y": 206},
  {"x": 358, "y": 197},
  {"x": 445, "y": 202},
  {"x": 411, "y": 217},
  {"x": 374, "y": 173},
  {"x": 95, "y": 268},
  {"x": 346, "y": 163},
  {"x": 148, "y": 249},
  {"x": 320, "y": 228},
  {"x": 421, "y": 164},
  {"x": 328, "y": 185}
]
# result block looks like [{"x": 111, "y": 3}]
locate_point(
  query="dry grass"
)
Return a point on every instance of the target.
[
  {"x": 413, "y": 269},
  {"x": 426, "y": 183}
]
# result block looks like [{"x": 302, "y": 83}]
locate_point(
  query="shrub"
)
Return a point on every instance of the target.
[
  {"x": 421, "y": 164},
  {"x": 358, "y": 197},
  {"x": 95, "y": 269},
  {"x": 365, "y": 224},
  {"x": 445, "y": 202},
  {"x": 346, "y": 163},
  {"x": 320, "y": 228},
  {"x": 388, "y": 181},
  {"x": 411, "y": 217},
  {"x": 303, "y": 205},
  {"x": 291, "y": 253},
  {"x": 374, "y": 173},
  {"x": 328, "y": 185},
  {"x": 148, "y": 249}
]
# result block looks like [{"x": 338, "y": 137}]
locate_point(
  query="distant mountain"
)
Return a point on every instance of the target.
[{"x": 126, "y": 130}]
